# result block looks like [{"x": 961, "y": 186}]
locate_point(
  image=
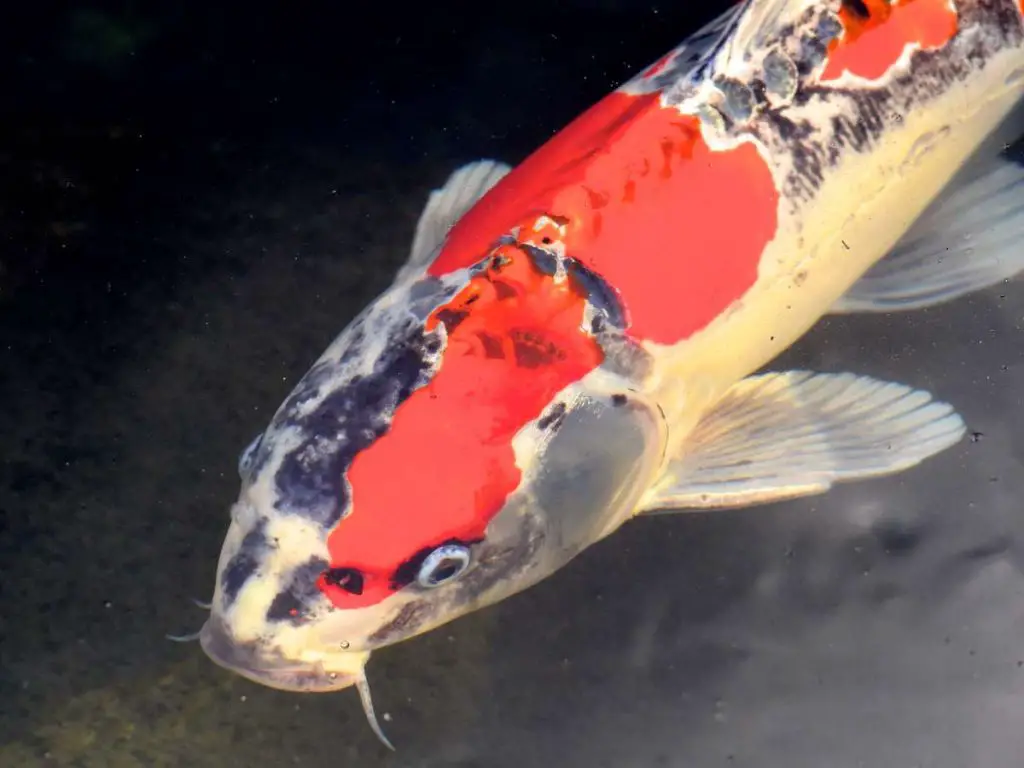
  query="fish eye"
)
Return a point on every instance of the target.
[{"x": 444, "y": 564}]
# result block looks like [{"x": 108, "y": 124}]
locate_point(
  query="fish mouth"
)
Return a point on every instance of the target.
[
  {"x": 250, "y": 661},
  {"x": 253, "y": 663}
]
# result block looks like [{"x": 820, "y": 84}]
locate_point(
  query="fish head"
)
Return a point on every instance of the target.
[{"x": 461, "y": 440}]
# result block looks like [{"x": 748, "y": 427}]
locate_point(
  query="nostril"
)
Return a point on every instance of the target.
[{"x": 348, "y": 579}]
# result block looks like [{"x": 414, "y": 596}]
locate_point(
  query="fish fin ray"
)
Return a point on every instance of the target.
[
  {"x": 780, "y": 436},
  {"x": 968, "y": 240},
  {"x": 445, "y": 206}
]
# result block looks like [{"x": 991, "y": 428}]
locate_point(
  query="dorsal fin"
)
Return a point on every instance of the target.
[{"x": 445, "y": 207}]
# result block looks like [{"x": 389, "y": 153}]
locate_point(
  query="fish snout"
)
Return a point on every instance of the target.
[{"x": 255, "y": 662}]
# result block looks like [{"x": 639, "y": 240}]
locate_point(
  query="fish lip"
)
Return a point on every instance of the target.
[{"x": 246, "y": 660}]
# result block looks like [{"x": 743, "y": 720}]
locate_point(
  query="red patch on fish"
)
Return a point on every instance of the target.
[
  {"x": 675, "y": 227},
  {"x": 872, "y": 44},
  {"x": 446, "y": 466}
]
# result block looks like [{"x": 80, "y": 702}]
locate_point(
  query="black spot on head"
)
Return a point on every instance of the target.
[
  {"x": 244, "y": 562},
  {"x": 310, "y": 479},
  {"x": 291, "y": 603},
  {"x": 618, "y": 399},
  {"x": 553, "y": 418}
]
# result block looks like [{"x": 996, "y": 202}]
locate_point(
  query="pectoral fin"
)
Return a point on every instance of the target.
[
  {"x": 783, "y": 435},
  {"x": 445, "y": 207},
  {"x": 970, "y": 239}
]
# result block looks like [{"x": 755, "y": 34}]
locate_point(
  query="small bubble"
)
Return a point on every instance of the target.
[{"x": 344, "y": 645}]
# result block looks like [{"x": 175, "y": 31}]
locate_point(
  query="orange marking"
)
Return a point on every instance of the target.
[
  {"x": 871, "y": 46},
  {"x": 446, "y": 466},
  {"x": 676, "y": 228}
]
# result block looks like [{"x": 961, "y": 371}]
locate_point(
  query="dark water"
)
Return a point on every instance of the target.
[{"x": 193, "y": 202}]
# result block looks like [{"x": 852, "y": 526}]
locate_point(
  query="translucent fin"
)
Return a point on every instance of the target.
[
  {"x": 700, "y": 47},
  {"x": 445, "y": 207},
  {"x": 758, "y": 26},
  {"x": 247, "y": 456},
  {"x": 971, "y": 238},
  {"x": 783, "y": 435}
]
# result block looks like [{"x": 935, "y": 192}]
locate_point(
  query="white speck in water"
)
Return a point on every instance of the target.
[{"x": 387, "y": 717}]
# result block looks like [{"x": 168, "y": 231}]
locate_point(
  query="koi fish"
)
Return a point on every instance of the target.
[{"x": 579, "y": 340}]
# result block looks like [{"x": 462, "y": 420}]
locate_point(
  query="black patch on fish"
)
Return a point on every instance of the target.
[
  {"x": 311, "y": 477},
  {"x": 553, "y": 418},
  {"x": 857, "y": 7},
  {"x": 499, "y": 262},
  {"x": 619, "y": 399},
  {"x": 291, "y": 603},
  {"x": 349, "y": 579},
  {"x": 244, "y": 562},
  {"x": 812, "y": 53},
  {"x": 599, "y": 293},
  {"x": 545, "y": 261},
  {"x": 869, "y": 112}
]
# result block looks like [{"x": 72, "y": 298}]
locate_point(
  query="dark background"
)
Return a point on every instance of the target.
[{"x": 194, "y": 200}]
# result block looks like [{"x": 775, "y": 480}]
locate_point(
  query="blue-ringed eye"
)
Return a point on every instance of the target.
[{"x": 444, "y": 564}]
